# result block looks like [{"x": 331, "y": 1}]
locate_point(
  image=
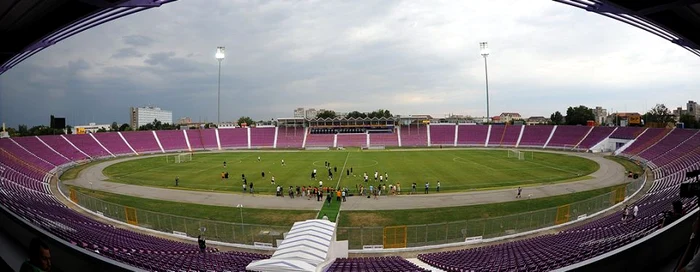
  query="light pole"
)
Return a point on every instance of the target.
[
  {"x": 485, "y": 53},
  {"x": 220, "y": 55}
]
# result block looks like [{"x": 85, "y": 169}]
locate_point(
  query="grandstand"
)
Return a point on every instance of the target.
[
  {"x": 32, "y": 206},
  {"x": 28, "y": 166}
]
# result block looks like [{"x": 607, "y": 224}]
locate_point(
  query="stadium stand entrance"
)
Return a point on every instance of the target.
[{"x": 309, "y": 246}]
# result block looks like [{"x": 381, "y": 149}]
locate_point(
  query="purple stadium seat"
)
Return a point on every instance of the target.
[
  {"x": 414, "y": 135},
  {"x": 233, "y": 138},
  {"x": 472, "y": 135},
  {"x": 442, "y": 134},
  {"x": 262, "y": 137},
  {"x": 535, "y": 136},
  {"x": 504, "y": 135},
  {"x": 290, "y": 137}
]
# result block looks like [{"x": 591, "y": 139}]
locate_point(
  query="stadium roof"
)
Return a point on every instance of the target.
[
  {"x": 29, "y": 26},
  {"x": 677, "y": 21}
]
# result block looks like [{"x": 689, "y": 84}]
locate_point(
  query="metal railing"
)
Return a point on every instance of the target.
[
  {"x": 459, "y": 231},
  {"x": 416, "y": 235},
  {"x": 248, "y": 234}
]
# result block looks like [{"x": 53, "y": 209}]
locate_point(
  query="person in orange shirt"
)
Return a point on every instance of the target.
[{"x": 337, "y": 195}]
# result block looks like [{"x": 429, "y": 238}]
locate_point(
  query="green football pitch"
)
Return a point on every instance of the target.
[{"x": 457, "y": 170}]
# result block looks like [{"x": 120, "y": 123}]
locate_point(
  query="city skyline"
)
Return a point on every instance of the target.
[{"x": 410, "y": 58}]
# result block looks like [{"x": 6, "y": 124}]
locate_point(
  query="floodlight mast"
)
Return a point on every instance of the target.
[
  {"x": 485, "y": 53},
  {"x": 220, "y": 55}
]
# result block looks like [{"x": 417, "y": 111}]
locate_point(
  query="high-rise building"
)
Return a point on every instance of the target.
[
  {"x": 299, "y": 113},
  {"x": 311, "y": 113},
  {"x": 693, "y": 109},
  {"x": 600, "y": 114},
  {"x": 140, "y": 116}
]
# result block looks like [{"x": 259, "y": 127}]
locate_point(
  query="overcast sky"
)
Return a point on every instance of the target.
[{"x": 410, "y": 57}]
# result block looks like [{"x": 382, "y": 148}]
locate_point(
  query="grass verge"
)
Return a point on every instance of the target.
[
  {"x": 628, "y": 164},
  {"x": 73, "y": 173}
]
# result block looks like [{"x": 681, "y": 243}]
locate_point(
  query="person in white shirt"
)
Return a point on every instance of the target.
[
  {"x": 635, "y": 210},
  {"x": 320, "y": 183}
]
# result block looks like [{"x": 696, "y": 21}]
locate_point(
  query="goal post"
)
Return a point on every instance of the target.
[
  {"x": 512, "y": 153},
  {"x": 179, "y": 158},
  {"x": 520, "y": 155}
]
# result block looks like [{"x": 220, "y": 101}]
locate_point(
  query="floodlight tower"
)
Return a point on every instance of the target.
[
  {"x": 220, "y": 55},
  {"x": 485, "y": 53}
]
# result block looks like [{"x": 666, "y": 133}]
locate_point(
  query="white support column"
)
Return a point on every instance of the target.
[
  {"x": 158, "y": 141},
  {"x": 488, "y": 137},
  {"x": 428, "y": 135},
  {"x": 248, "y": 132},
  {"x": 274, "y": 144},
  {"x": 398, "y": 132},
  {"x": 335, "y": 140},
  {"x": 76, "y": 148},
  {"x": 550, "y": 137},
  {"x": 187, "y": 140},
  {"x": 522, "y": 129},
  {"x": 368, "y": 142},
  {"x": 54, "y": 150},
  {"x": 218, "y": 142},
  {"x": 584, "y": 137},
  {"x": 306, "y": 132},
  {"x": 456, "y": 133},
  {"x": 103, "y": 147}
]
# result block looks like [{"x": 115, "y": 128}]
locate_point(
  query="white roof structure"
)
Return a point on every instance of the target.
[{"x": 303, "y": 249}]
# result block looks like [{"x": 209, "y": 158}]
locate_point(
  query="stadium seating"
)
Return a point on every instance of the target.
[
  {"x": 320, "y": 140},
  {"x": 61, "y": 145},
  {"x": 141, "y": 141},
  {"x": 24, "y": 190},
  {"x": 262, "y": 137},
  {"x": 646, "y": 139},
  {"x": 596, "y": 136},
  {"x": 383, "y": 139},
  {"x": 233, "y": 138},
  {"x": 172, "y": 140},
  {"x": 412, "y": 136},
  {"x": 376, "y": 264},
  {"x": 88, "y": 145},
  {"x": 114, "y": 143},
  {"x": 472, "y": 135},
  {"x": 352, "y": 140},
  {"x": 568, "y": 136},
  {"x": 20, "y": 153},
  {"x": 202, "y": 139},
  {"x": 290, "y": 137},
  {"x": 671, "y": 141},
  {"x": 442, "y": 134},
  {"x": 504, "y": 135},
  {"x": 535, "y": 136},
  {"x": 627, "y": 132},
  {"x": 34, "y": 145}
]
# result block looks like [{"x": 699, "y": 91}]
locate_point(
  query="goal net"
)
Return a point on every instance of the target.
[
  {"x": 179, "y": 158},
  {"x": 520, "y": 155}
]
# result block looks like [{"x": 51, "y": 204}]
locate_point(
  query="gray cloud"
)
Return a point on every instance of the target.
[
  {"x": 128, "y": 52},
  {"x": 137, "y": 40},
  {"x": 405, "y": 56}
]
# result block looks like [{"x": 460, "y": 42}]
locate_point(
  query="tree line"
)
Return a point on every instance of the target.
[
  {"x": 659, "y": 115},
  {"x": 380, "y": 113}
]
